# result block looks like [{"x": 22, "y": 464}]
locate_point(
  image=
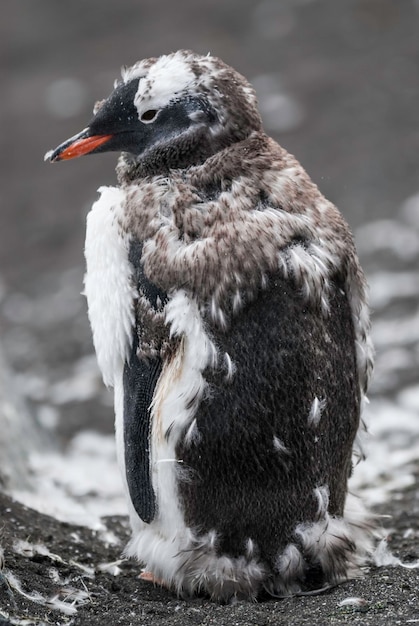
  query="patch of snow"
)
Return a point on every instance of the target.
[{"x": 80, "y": 485}]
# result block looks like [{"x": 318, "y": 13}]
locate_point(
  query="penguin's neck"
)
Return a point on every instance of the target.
[{"x": 218, "y": 159}]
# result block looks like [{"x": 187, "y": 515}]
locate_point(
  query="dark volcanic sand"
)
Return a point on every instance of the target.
[{"x": 390, "y": 594}]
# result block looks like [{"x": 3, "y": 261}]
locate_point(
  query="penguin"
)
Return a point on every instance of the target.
[{"x": 229, "y": 313}]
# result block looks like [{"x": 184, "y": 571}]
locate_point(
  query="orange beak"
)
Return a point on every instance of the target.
[{"x": 77, "y": 146}]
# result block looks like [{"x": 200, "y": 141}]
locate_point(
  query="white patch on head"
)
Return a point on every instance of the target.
[
  {"x": 108, "y": 282},
  {"x": 169, "y": 77},
  {"x": 316, "y": 410},
  {"x": 138, "y": 70},
  {"x": 162, "y": 82}
]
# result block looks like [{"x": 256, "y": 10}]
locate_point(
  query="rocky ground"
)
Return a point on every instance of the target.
[{"x": 56, "y": 573}]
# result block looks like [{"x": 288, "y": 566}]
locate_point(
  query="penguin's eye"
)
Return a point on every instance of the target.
[{"x": 149, "y": 116}]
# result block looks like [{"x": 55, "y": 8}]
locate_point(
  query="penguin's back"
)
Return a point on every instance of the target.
[{"x": 273, "y": 442}]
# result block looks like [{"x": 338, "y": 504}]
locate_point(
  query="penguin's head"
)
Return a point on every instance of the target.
[{"x": 170, "y": 112}]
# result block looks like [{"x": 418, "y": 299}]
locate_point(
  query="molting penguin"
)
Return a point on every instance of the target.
[{"x": 229, "y": 313}]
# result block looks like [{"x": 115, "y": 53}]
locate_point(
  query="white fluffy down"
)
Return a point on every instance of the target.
[
  {"x": 108, "y": 283},
  {"x": 190, "y": 564}
]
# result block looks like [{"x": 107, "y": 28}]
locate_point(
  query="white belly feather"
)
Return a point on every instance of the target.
[{"x": 109, "y": 285}]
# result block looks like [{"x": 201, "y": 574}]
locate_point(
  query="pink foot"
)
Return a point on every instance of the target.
[{"x": 150, "y": 578}]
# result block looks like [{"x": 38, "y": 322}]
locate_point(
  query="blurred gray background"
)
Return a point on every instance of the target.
[{"x": 338, "y": 85}]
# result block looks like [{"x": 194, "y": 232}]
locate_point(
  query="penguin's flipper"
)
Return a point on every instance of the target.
[{"x": 139, "y": 380}]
